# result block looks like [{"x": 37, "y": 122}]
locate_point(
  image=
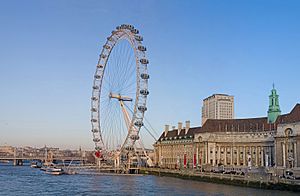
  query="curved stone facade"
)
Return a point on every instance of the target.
[{"x": 234, "y": 143}]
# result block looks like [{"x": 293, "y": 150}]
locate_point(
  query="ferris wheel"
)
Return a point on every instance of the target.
[{"x": 120, "y": 91}]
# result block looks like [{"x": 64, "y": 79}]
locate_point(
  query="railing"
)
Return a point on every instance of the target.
[{"x": 246, "y": 177}]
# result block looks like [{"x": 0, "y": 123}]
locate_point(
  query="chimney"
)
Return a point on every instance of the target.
[
  {"x": 179, "y": 127},
  {"x": 166, "y": 130},
  {"x": 187, "y": 126}
]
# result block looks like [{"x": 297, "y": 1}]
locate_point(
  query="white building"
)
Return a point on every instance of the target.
[{"x": 218, "y": 106}]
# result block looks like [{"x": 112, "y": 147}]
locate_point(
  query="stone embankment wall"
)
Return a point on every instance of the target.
[{"x": 247, "y": 180}]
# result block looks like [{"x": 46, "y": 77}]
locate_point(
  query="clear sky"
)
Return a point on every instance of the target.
[{"x": 49, "y": 50}]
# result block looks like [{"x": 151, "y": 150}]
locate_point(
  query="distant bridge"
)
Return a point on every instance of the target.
[{"x": 18, "y": 160}]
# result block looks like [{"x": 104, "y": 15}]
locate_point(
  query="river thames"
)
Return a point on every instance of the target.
[{"x": 23, "y": 180}]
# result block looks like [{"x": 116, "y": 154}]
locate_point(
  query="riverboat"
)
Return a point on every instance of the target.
[
  {"x": 35, "y": 165},
  {"x": 54, "y": 171}
]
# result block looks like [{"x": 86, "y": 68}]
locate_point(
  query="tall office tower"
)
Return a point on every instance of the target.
[{"x": 218, "y": 106}]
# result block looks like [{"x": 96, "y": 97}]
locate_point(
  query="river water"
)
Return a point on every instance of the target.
[{"x": 23, "y": 180}]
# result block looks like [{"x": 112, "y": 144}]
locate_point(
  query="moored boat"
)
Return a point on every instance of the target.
[
  {"x": 54, "y": 171},
  {"x": 69, "y": 172},
  {"x": 44, "y": 168},
  {"x": 35, "y": 165}
]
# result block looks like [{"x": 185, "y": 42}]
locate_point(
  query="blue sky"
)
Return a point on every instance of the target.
[{"x": 49, "y": 49}]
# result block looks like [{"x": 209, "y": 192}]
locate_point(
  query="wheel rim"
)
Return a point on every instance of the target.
[{"x": 119, "y": 73}]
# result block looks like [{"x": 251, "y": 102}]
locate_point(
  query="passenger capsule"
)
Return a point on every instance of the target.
[
  {"x": 142, "y": 108},
  {"x": 127, "y": 26},
  {"x": 95, "y": 87},
  {"x": 96, "y": 140},
  {"x": 142, "y": 48},
  {"x": 94, "y": 130},
  {"x": 98, "y": 148},
  {"x": 145, "y": 76},
  {"x": 138, "y": 38},
  {"x": 144, "y": 92},
  {"x": 109, "y": 38},
  {"x": 103, "y": 56},
  {"x": 100, "y": 66},
  {"x": 94, "y": 120},
  {"x": 130, "y": 27},
  {"x": 94, "y": 98},
  {"x": 94, "y": 109},
  {"x": 144, "y": 61},
  {"x": 118, "y": 28},
  {"x": 106, "y": 46},
  {"x": 129, "y": 148},
  {"x": 138, "y": 123},
  {"x": 97, "y": 76},
  {"x": 135, "y": 31},
  {"x": 134, "y": 137}
]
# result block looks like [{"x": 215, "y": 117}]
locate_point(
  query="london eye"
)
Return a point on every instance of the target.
[{"x": 119, "y": 93}]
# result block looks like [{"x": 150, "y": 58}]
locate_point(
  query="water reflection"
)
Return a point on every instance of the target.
[{"x": 29, "y": 181}]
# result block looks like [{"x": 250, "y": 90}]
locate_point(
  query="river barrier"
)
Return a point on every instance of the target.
[{"x": 253, "y": 180}]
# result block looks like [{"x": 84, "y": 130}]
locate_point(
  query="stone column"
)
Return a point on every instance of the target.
[
  {"x": 219, "y": 154},
  {"x": 261, "y": 156},
  {"x": 201, "y": 155},
  {"x": 159, "y": 154},
  {"x": 204, "y": 154},
  {"x": 252, "y": 156},
  {"x": 244, "y": 156},
  {"x": 225, "y": 155},
  {"x": 295, "y": 155},
  {"x": 208, "y": 154},
  {"x": 238, "y": 156},
  {"x": 231, "y": 155},
  {"x": 283, "y": 154},
  {"x": 214, "y": 155},
  {"x": 275, "y": 154},
  {"x": 270, "y": 153},
  {"x": 256, "y": 156},
  {"x": 197, "y": 156}
]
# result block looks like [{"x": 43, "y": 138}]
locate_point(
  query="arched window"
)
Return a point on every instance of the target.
[
  {"x": 290, "y": 158},
  {"x": 288, "y": 132},
  {"x": 200, "y": 139}
]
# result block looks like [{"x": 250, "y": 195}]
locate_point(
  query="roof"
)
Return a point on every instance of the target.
[
  {"x": 218, "y": 94},
  {"x": 173, "y": 133},
  {"x": 292, "y": 117},
  {"x": 240, "y": 125},
  {"x": 250, "y": 124}
]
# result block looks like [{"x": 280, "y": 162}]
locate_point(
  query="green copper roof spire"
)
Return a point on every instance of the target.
[{"x": 274, "y": 109}]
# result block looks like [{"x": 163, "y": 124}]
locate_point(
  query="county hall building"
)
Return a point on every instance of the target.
[{"x": 272, "y": 141}]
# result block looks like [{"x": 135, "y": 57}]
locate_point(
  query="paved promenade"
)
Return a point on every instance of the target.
[{"x": 248, "y": 179}]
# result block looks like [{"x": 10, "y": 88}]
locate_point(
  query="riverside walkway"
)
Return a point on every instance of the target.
[{"x": 249, "y": 179}]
